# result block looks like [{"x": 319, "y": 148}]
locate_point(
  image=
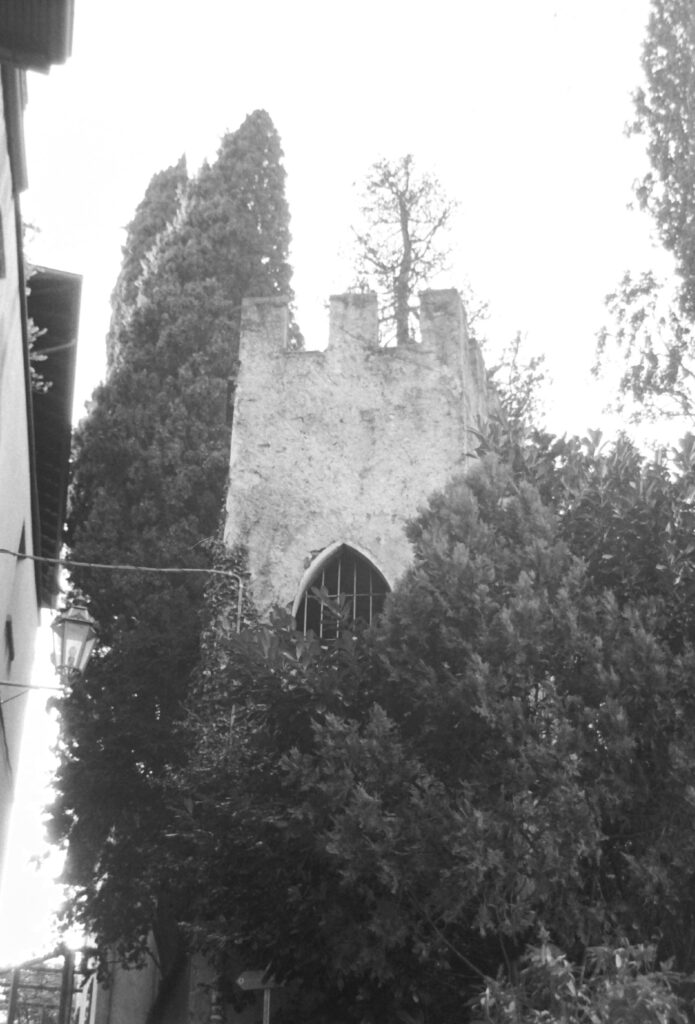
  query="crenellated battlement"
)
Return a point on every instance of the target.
[
  {"x": 345, "y": 442},
  {"x": 353, "y": 321},
  {"x": 354, "y": 326}
]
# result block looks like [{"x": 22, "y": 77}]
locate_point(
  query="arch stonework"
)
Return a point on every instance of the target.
[
  {"x": 345, "y": 573},
  {"x": 322, "y": 559},
  {"x": 347, "y": 442}
]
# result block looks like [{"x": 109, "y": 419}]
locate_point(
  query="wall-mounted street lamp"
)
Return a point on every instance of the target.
[{"x": 74, "y": 636}]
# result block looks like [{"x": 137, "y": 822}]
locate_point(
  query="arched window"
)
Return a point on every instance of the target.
[{"x": 345, "y": 576}]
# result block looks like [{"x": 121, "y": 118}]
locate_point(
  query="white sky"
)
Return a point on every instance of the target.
[{"x": 519, "y": 108}]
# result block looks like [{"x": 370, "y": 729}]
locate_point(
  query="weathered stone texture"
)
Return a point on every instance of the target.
[{"x": 344, "y": 445}]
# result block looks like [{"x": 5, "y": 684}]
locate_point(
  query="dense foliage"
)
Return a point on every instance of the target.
[
  {"x": 506, "y": 761},
  {"x": 157, "y": 211},
  {"x": 614, "y": 985},
  {"x": 150, "y": 469},
  {"x": 652, "y": 320},
  {"x": 400, "y": 240},
  {"x": 666, "y": 116}
]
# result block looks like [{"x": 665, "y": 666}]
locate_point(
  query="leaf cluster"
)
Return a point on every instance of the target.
[
  {"x": 391, "y": 820},
  {"x": 665, "y": 114},
  {"x": 650, "y": 321},
  {"x": 614, "y": 984},
  {"x": 517, "y": 385}
]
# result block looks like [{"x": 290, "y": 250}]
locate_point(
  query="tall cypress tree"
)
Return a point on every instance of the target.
[
  {"x": 157, "y": 210},
  {"x": 150, "y": 470}
]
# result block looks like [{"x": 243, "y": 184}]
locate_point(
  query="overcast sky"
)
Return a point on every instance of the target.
[{"x": 518, "y": 108}]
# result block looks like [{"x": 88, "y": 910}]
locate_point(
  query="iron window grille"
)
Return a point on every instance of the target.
[{"x": 347, "y": 587}]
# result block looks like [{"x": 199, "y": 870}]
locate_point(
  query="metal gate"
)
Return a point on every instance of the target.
[{"x": 40, "y": 991}]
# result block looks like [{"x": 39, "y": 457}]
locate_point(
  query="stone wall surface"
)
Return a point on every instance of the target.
[{"x": 344, "y": 445}]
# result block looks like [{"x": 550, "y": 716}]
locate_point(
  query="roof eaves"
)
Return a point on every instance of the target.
[
  {"x": 53, "y": 305},
  {"x": 34, "y": 34}
]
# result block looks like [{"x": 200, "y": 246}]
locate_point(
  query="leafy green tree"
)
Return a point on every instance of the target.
[
  {"x": 666, "y": 116},
  {"x": 404, "y": 214},
  {"x": 651, "y": 320},
  {"x": 150, "y": 469},
  {"x": 518, "y": 384},
  {"x": 655, "y": 338},
  {"x": 614, "y": 985},
  {"x": 507, "y": 759}
]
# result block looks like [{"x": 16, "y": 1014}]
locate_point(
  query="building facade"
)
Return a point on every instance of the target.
[
  {"x": 34, "y": 425},
  {"x": 18, "y": 586}
]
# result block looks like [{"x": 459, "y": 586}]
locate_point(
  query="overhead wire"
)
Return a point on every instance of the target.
[{"x": 71, "y": 564}]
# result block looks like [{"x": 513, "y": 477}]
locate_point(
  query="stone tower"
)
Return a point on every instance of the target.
[
  {"x": 336, "y": 449},
  {"x": 332, "y": 452}
]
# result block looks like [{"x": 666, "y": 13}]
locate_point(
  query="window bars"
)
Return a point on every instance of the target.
[{"x": 347, "y": 586}]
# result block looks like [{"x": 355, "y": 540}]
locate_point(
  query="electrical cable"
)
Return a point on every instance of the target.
[
  {"x": 70, "y": 564},
  {"x": 29, "y": 686},
  {"x": 23, "y": 687}
]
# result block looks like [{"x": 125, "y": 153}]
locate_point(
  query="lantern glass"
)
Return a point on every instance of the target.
[{"x": 74, "y": 637}]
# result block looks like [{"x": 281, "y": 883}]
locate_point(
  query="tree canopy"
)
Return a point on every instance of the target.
[
  {"x": 651, "y": 320},
  {"x": 666, "y": 116},
  {"x": 150, "y": 470},
  {"x": 400, "y": 240},
  {"x": 506, "y": 760}
]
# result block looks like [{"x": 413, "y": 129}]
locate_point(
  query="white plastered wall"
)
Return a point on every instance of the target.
[{"x": 18, "y": 597}]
